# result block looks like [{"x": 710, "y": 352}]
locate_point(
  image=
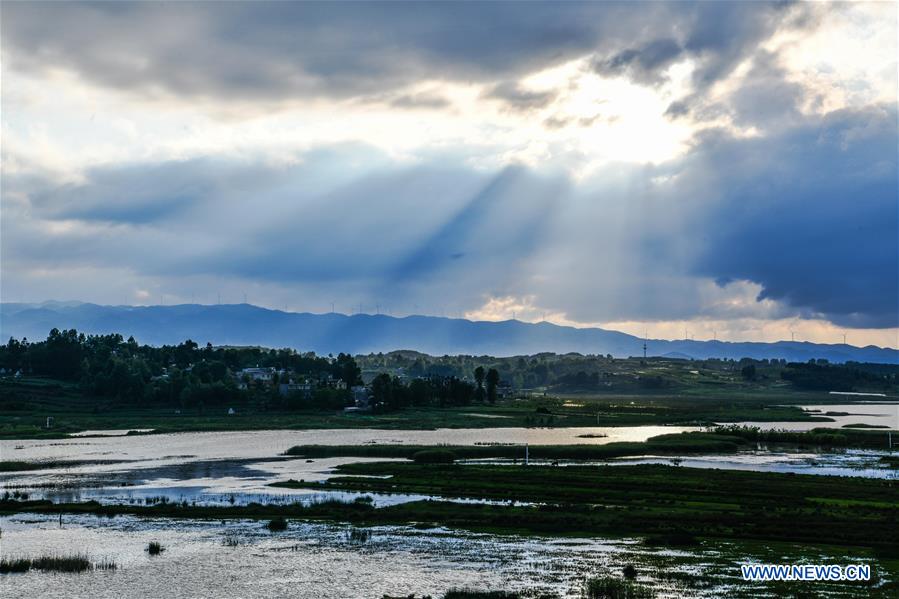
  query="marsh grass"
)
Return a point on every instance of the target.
[
  {"x": 277, "y": 524},
  {"x": 155, "y": 548},
  {"x": 106, "y": 564},
  {"x": 358, "y": 535},
  {"x": 672, "y": 443},
  {"x": 54, "y": 563},
  {"x": 606, "y": 587}
]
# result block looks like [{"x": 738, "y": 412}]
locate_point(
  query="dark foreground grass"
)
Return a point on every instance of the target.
[
  {"x": 277, "y": 524},
  {"x": 155, "y": 548},
  {"x": 606, "y": 587},
  {"x": 53, "y": 563},
  {"x": 657, "y": 502},
  {"x": 478, "y": 594}
]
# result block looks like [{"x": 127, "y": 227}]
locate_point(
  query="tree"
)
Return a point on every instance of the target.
[
  {"x": 382, "y": 392},
  {"x": 345, "y": 368},
  {"x": 479, "y": 378},
  {"x": 492, "y": 382},
  {"x": 748, "y": 372}
]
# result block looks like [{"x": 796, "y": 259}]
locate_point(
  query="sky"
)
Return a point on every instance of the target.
[{"x": 708, "y": 170}]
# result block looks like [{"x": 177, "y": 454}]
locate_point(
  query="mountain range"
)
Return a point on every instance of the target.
[{"x": 245, "y": 324}]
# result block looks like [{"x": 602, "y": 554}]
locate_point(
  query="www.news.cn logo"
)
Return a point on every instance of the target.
[{"x": 805, "y": 572}]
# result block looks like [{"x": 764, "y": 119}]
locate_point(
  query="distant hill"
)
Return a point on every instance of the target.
[{"x": 244, "y": 324}]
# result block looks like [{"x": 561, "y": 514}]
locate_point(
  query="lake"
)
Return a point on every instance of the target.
[{"x": 323, "y": 560}]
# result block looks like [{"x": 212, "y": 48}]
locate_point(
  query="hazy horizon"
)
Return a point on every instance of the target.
[{"x": 689, "y": 337}]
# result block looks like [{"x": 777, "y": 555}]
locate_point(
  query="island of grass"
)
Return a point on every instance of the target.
[
  {"x": 671, "y": 444},
  {"x": 643, "y": 499},
  {"x": 723, "y": 439}
]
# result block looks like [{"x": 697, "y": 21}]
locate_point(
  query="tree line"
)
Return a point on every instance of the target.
[
  {"x": 393, "y": 393},
  {"x": 183, "y": 375}
]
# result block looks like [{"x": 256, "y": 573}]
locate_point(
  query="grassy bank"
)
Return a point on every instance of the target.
[
  {"x": 671, "y": 444},
  {"x": 819, "y": 437},
  {"x": 720, "y": 440}
]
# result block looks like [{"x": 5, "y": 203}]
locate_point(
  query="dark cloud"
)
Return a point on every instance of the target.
[
  {"x": 519, "y": 98},
  {"x": 277, "y": 51},
  {"x": 809, "y": 213},
  {"x": 421, "y": 100},
  {"x": 764, "y": 97},
  {"x": 384, "y": 229},
  {"x": 141, "y": 194},
  {"x": 645, "y": 64},
  {"x": 716, "y": 36}
]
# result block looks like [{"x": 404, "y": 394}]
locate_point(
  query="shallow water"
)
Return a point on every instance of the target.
[
  {"x": 318, "y": 560},
  {"x": 321, "y": 561},
  {"x": 237, "y": 467},
  {"x": 856, "y": 463},
  {"x": 249, "y": 444},
  {"x": 876, "y": 414},
  {"x": 223, "y": 468}
]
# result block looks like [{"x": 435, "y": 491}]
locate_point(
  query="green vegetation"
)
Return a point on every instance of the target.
[
  {"x": 656, "y": 502},
  {"x": 73, "y": 412},
  {"x": 661, "y": 502},
  {"x": 674, "y": 443},
  {"x": 817, "y": 437},
  {"x": 573, "y": 373},
  {"x": 722, "y": 439},
  {"x": 54, "y": 563},
  {"x": 113, "y": 373},
  {"x": 434, "y": 456},
  {"x": 105, "y": 382},
  {"x": 13, "y": 466},
  {"x": 606, "y": 587}
]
